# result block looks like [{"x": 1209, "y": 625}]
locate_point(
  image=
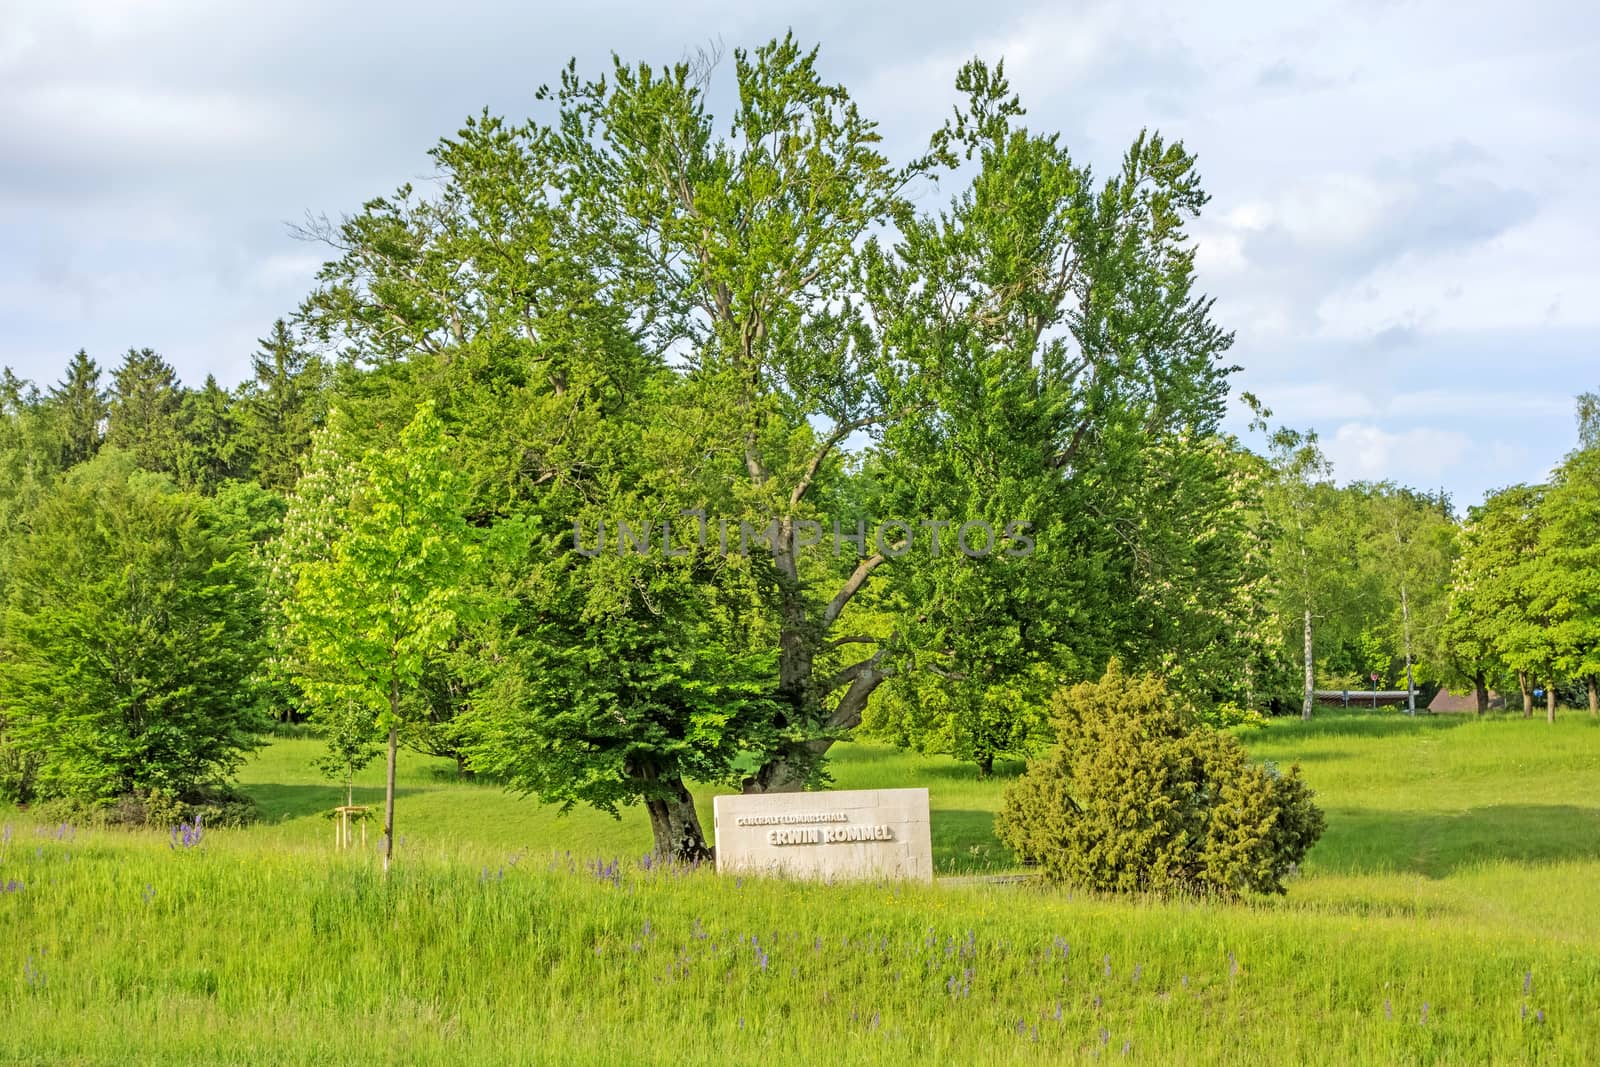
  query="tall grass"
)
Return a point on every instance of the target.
[{"x": 1431, "y": 926}]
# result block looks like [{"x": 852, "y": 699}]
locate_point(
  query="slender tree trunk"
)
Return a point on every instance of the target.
[
  {"x": 1550, "y": 701},
  {"x": 1311, "y": 676},
  {"x": 388, "y": 787},
  {"x": 1480, "y": 687},
  {"x": 1594, "y": 697},
  {"x": 1527, "y": 694},
  {"x": 1405, "y": 622},
  {"x": 986, "y": 765},
  {"x": 674, "y": 822}
]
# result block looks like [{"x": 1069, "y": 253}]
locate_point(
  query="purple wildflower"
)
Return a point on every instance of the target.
[
  {"x": 187, "y": 835},
  {"x": 31, "y": 972}
]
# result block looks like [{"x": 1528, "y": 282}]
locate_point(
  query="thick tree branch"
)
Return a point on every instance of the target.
[
  {"x": 853, "y": 639},
  {"x": 854, "y": 671},
  {"x": 852, "y": 585},
  {"x": 847, "y": 713}
]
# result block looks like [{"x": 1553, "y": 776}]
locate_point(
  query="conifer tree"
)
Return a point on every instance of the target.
[
  {"x": 145, "y": 401},
  {"x": 78, "y": 403}
]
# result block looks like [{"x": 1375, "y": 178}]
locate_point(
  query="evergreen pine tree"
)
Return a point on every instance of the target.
[
  {"x": 279, "y": 407},
  {"x": 78, "y": 404},
  {"x": 210, "y": 451},
  {"x": 145, "y": 401}
]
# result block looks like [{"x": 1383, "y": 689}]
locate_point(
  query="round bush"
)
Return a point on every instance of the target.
[{"x": 1139, "y": 796}]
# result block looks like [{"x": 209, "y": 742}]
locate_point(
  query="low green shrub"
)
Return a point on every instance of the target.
[
  {"x": 159, "y": 809},
  {"x": 1140, "y": 796}
]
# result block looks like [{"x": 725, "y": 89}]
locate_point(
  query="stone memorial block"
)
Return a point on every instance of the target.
[{"x": 844, "y": 834}]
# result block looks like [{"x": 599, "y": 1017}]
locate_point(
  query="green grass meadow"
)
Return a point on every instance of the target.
[{"x": 1451, "y": 914}]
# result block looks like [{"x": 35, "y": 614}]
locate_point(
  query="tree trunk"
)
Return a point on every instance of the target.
[
  {"x": 1480, "y": 687},
  {"x": 674, "y": 822},
  {"x": 786, "y": 772},
  {"x": 1311, "y": 677},
  {"x": 388, "y": 786},
  {"x": 1594, "y": 697},
  {"x": 462, "y": 770},
  {"x": 1550, "y": 701},
  {"x": 1527, "y": 694},
  {"x": 1405, "y": 620},
  {"x": 986, "y": 765}
]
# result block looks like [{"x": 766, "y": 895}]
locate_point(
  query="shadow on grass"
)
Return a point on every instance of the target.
[
  {"x": 1330, "y": 755},
  {"x": 928, "y": 766},
  {"x": 279, "y": 803},
  {"x": 964, "y": 842},
  {"x": 1436, "y": 844},
  {"x": 1337, "y": 722}
]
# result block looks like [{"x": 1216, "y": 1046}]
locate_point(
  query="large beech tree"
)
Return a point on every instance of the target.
[{"x": 764, "y": 288}]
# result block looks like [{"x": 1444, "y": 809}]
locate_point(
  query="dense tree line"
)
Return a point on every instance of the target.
[
  {"x": 623, "y": 458},
  {"x": 135, "y": 515}
]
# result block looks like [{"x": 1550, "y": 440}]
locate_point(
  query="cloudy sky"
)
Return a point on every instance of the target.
[{"x": 1401, "y": 230}]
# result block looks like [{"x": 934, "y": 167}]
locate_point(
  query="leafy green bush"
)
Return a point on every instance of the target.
[
  {"x": 1138, "y": 795},
  {"x": 130, "y": 632},
  {"x": 217, "y": 807}
]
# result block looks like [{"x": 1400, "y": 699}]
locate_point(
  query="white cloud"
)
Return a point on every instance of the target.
[
  {"x": 1363, "y": 452},
  {"x": 1401, "y": 232}
]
